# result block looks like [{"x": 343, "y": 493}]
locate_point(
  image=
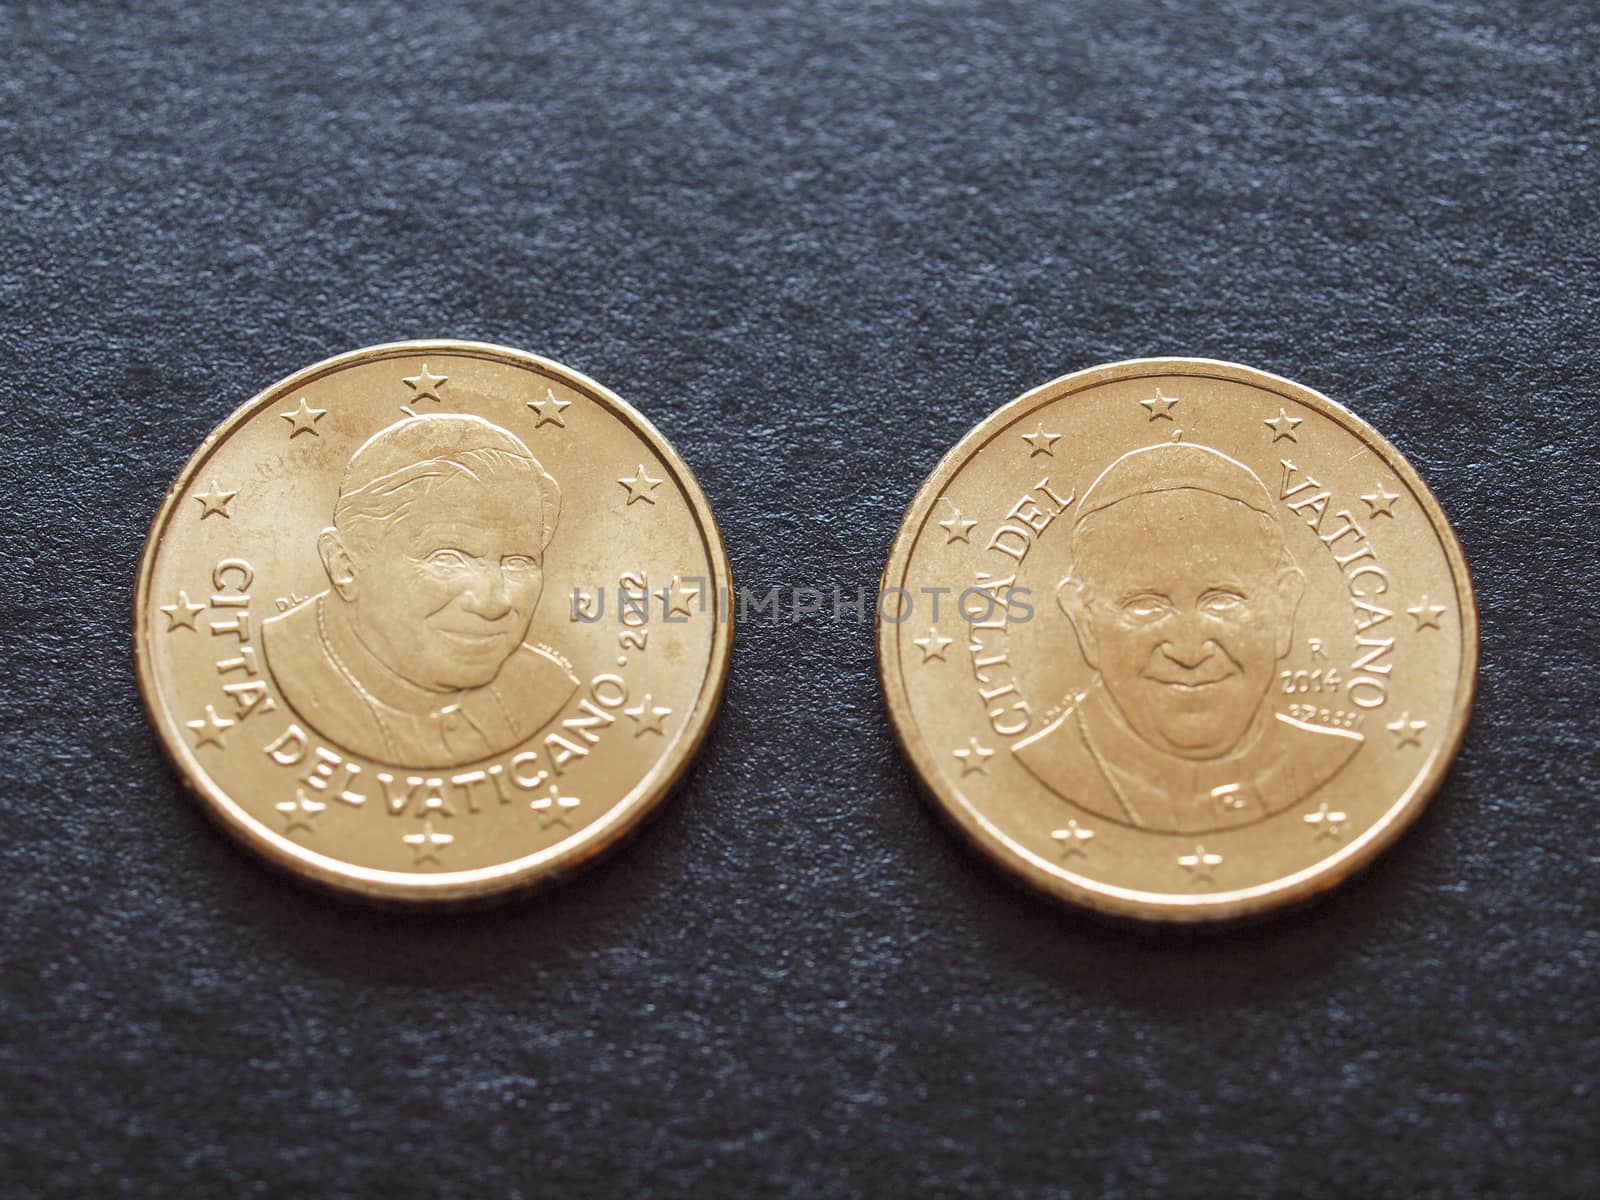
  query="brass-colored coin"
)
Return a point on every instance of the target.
[
  {"x": 432, "y": 620},
  {"x": 1177, "y": 639}
]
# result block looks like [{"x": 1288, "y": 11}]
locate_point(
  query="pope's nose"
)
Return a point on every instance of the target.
[
  {"x": 1188, "y": 647},
  {"x": 489, "y": 596}
]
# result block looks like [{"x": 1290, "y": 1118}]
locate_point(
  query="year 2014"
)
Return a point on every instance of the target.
[{"x": 1311, "y": 681}]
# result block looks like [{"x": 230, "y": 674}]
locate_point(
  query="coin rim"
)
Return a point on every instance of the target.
[
  {"x": 1129, "y": 902},
  {"x": 552, "y": 861}
]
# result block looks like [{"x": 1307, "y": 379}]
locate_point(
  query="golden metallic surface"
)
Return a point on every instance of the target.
[
  {"x": 1204, "y": 645},
  {"x": 432, "y": 620}
]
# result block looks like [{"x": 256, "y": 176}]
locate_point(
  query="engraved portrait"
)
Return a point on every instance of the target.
[
  {"x": 1181, "y": 589},
  {"x": 416, "y": 653}
]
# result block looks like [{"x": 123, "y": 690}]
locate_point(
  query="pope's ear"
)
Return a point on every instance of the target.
[
  {"x": 1291, "y": 586},
  {"x": 336, "y": 561},
  {"x": 1069, "y": 594}
]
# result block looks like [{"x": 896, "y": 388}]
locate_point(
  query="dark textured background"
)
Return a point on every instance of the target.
[{"x": 814, "y": 243}]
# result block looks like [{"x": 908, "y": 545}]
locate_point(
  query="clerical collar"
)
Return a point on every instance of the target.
[
  {"x": 367, "y": 672},
  {"x": 1160, "y": 789}
]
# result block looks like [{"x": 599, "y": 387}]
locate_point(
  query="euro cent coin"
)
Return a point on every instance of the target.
[
  {"x": 432, "y": 620},
  {"x": 1178, "y": 639}
]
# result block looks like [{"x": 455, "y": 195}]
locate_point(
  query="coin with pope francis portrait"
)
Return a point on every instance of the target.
[{"x": 1177, "y": 639}]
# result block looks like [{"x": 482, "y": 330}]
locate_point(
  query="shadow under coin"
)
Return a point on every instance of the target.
[
  {"x": 562, "y": 918},
  {"x": 1176, "y": 968}
]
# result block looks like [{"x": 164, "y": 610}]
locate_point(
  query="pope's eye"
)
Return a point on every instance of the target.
[
  {"x": 1221, "y": 602},
  {"x": 519, "y": 562},
  {"x": 446, "y": 560},
  {"x": 1145, "y": 608}
]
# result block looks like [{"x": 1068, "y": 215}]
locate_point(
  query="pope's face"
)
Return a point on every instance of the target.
[
  {"x": 1185, "y": 612},
  {"x": 443, "y": 592}
]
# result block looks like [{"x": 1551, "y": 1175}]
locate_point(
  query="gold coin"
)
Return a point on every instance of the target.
[
  {"x": 1177, "y": 639},
  {"x": 431, "y": 620}
]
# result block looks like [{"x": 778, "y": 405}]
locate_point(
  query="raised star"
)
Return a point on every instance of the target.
[
  {"x": 1283, "y": 426},
  {"x": 974, "y": 758},
  {"x": 209, "y": 729},
  {"x": 300, "y": 812},
  {"x": 426, "y": 384},
  {"x": 646, "y": 717},
  {"x": 553, "y": 809},
  {"x": 934, "y": 645},
  {"x": 1159, "y": 406},
  {"x": 1326, "y": 822},
  {"x": 677, "y": 598},
  {"x": 181, "y": 613},
  {"x": 1381, "y": 502},
  {"x": 549, "y": 409},
  {"x": 214, "y": 500},
  {"x": 1073, "y": 839},
  {"x": 1426, "y": 615},
  {"x": 640, "y": 487},
  {"x": 1040, "y": 442},
  {"x": 1201, "y": 864},
  {"x": 955, "y": 528},
  {"x": 427, "y": 844},
  {"x": 1406, "y": 731},
  {"x": 303, "y": 419}
]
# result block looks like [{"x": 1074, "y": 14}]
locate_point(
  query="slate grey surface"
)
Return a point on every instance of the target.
[{"x": 815, "y": 244}]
